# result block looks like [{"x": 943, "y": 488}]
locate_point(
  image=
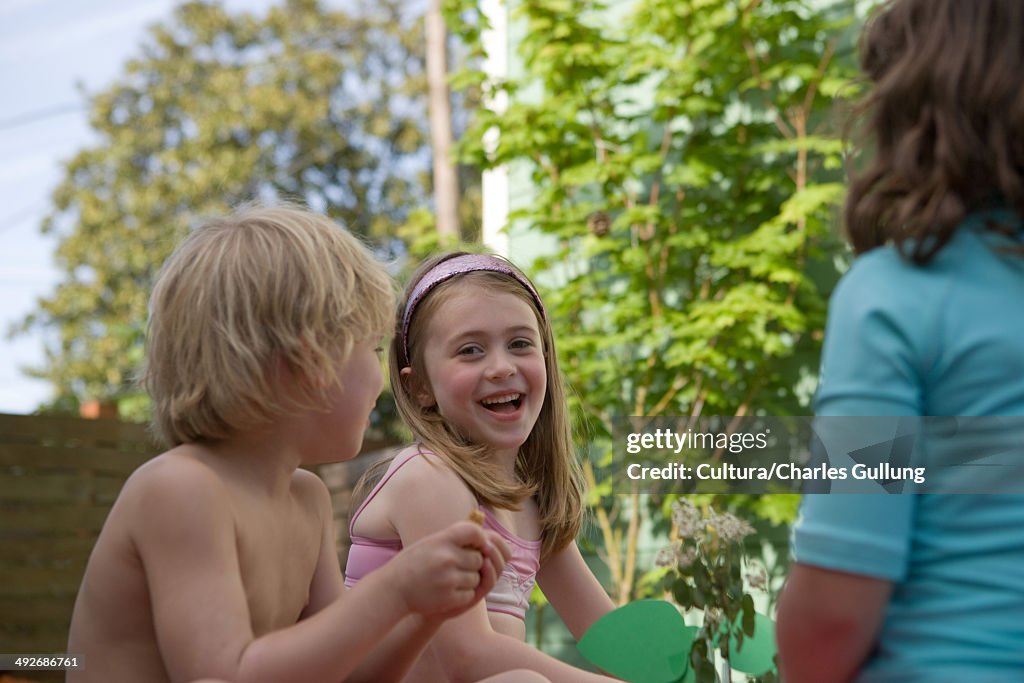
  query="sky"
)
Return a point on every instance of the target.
[{"x": 49, "y": 51}]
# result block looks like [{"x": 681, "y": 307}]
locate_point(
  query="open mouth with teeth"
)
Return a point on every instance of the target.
[{"x": 506, "y": 403}]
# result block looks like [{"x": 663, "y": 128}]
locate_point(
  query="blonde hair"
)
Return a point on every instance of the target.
[
  {"x": 546, "y": 467},
  {"x": 246, "y": 296}
]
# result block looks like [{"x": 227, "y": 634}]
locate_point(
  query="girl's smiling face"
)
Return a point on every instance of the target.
[{"x": 485, "y": 366}]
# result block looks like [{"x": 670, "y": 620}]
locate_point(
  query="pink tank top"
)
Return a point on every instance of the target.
[{"x": 510, "y": 595}]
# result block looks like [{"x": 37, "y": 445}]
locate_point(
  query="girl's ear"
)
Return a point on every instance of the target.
[{"x": 417, "y": 388}]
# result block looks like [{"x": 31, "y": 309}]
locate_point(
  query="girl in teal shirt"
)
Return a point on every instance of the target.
[{"x": 929, "y": 321}]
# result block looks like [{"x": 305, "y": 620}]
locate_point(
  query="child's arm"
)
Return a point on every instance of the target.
[
  {"x": 827, "y": 623},
  {"x": 184, "y": 533},
  {"x": 573, "y": 590},
  {"x": 468, "y": 648},
  {"x": 391, "y": 659},
  {"x": 360, "y": 639}
]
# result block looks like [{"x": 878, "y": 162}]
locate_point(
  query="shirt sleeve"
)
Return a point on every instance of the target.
[
  {"x": 878, "y": 341},
  {"x": 875, "y": 341}
]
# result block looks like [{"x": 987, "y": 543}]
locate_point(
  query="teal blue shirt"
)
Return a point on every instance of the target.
[{"x": 945, "y": 339}]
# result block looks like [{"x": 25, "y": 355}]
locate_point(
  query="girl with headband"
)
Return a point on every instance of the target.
[{"x": 475, "y": 377}]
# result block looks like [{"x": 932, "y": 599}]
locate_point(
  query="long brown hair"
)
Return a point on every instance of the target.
[
  {"x": 546, "y": 466},
  {"x": 944, "y": 122}
]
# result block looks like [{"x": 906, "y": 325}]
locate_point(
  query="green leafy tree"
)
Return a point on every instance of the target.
[
  {"x": 304, "y": 102},
  {"x": 686, "y": 156}
]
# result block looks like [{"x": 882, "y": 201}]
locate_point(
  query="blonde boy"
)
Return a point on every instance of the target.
[{"x": 218, "y": 558}]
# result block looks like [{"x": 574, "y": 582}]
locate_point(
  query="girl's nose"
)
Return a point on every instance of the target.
[{"x": 500, "y": 367}]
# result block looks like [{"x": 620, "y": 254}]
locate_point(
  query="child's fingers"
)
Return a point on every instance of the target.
[
  {"x": 496, "y": 549},
  {"x": 480, "y": 559},
  {"x": 500, "y": 549},
  {"x": 470, "y": 587},
  {"x": 488, "y": 543},
  {"x": 467, "y": 534},
  {"x": 488, "y": 577},
  {"x": 466, "y": 580},
  {"x": 470, "y": 559}
]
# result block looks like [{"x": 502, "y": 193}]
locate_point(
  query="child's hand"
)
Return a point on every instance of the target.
[{"x": 447, "y": 572}]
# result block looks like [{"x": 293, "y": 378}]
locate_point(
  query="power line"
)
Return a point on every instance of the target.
[{"x": 40, "y": 115}]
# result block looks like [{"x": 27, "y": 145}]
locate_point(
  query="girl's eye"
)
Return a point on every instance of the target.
[
  {"x": 521, "y": 344},
  {"x": 470, "y": 350}
]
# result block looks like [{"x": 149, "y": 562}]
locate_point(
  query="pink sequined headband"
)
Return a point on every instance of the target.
[{"x": 459, "y": 265}]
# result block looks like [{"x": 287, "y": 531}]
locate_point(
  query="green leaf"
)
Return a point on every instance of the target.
[
  {"x": 748, "y": 615},
  {"x": 682, "y": 592}
]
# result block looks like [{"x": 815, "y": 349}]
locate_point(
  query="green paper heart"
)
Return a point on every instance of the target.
[
  {"x": 758, "y": 651},
  {"x": 690, "y": 676},
  {"x": 686, "y": 640},
  {"x": 646, "y": 641}
]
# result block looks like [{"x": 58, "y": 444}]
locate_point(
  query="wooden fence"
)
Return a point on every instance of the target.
[{"x": 58, "y": 478}]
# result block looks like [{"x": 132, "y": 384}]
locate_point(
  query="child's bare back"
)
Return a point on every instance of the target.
[{"x": 231, "y": 539}]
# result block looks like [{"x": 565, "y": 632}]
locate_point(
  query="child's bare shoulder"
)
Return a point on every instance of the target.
[
  {"x": 311, "y": 491},
  {"x": 174, "y": 474},
  {"x": 306, "y": 483},
  {"x": 425, "y": 467},
  {"x": 428, "y": 473},
  {"x": 175, "y": 487}
]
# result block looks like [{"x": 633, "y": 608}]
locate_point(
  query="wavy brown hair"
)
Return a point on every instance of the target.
[
  {"x": 943, "y": 122},
  {"x": 546, "y": 467}
]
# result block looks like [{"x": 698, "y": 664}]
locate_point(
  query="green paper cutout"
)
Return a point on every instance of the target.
[
  {"x": 758, "y": 651},
  {"x": 689, "y": 633},
  {"x": 686, "y": 641},
  {"x": 691, "y": 675},
  {"x": 646, "y": 641}
]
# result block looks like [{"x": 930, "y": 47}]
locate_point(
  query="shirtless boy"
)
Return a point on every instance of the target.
[{"x": 218, "y": 557}]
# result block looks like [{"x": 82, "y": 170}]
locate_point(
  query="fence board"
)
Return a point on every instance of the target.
[
  {"x": 46, "y": 428},
  {"x": 43, "y": 581},
  {"x": 50, "y": 520},
  {"x": 35, "y": 607},
  {"x": 36, "y": 551},
  {"x": 55, "y": 488},
  {"x": 65, "y": 456}
]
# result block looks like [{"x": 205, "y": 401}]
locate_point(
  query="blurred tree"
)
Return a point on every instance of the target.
[
  {"x": 320, "y": 105},
  {"x": 686, "y": 156}
]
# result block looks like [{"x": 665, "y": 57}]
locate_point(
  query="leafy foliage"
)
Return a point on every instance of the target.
[
  {"x": 304, "y": 103},
  {"x": 686, "y": 158}
]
